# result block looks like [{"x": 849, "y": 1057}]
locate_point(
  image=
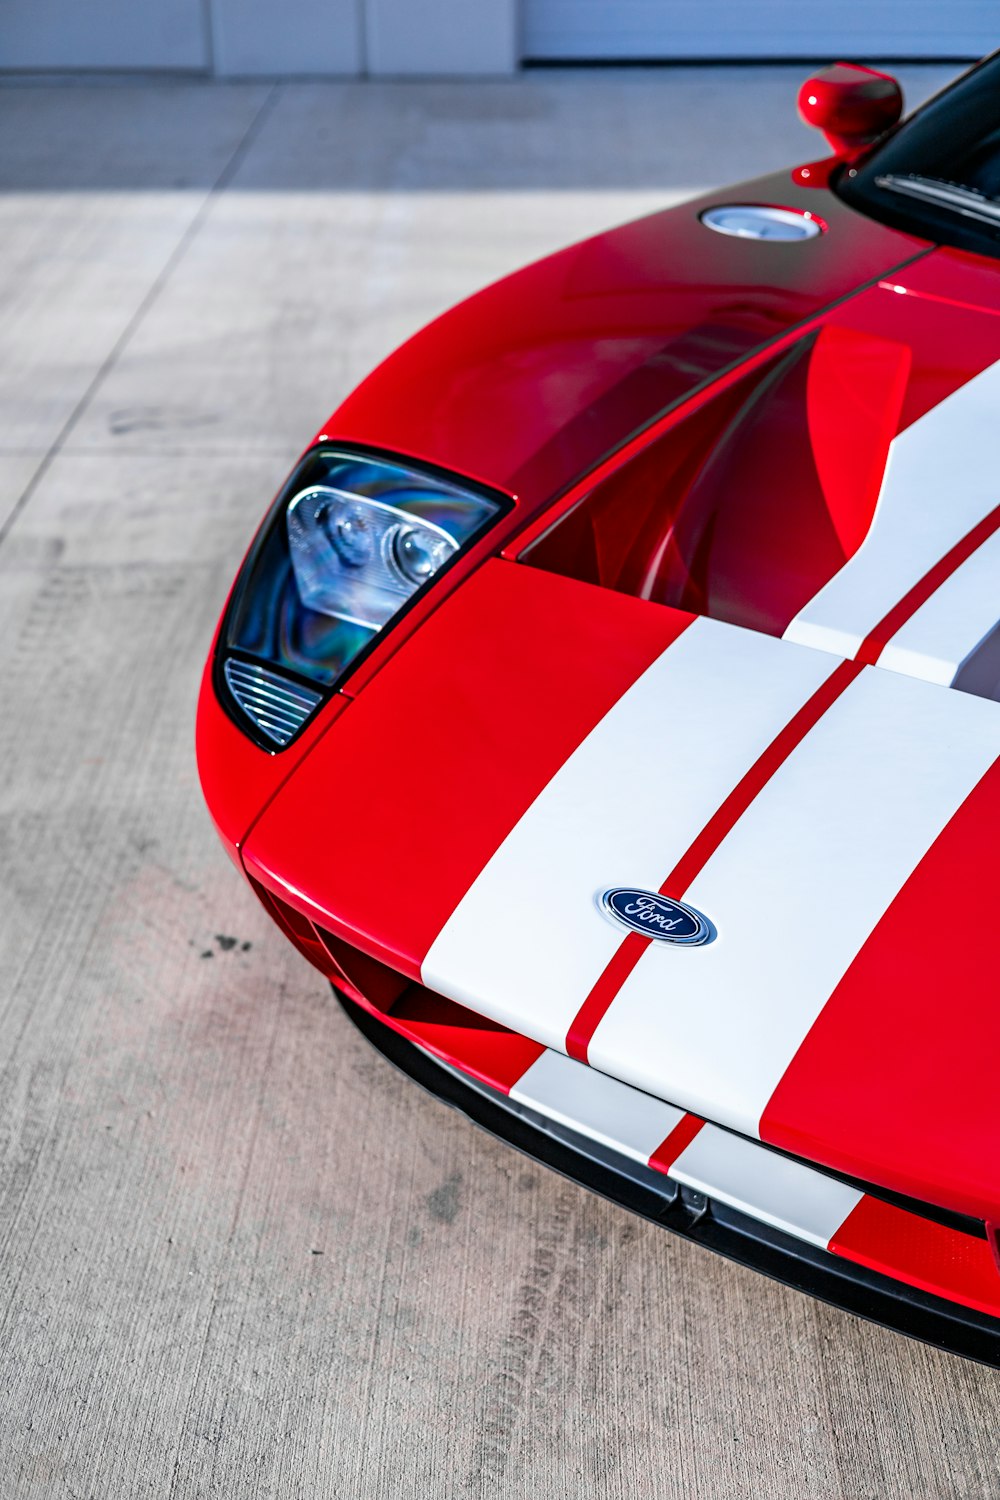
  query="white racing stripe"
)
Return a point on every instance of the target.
[
  {"x": 794, "y": 891},
  {"x": 946, "y": 630},
  {"x": 941, "y": 480},
  {"x": 788, "y": 1194},
  {"x": 597, "y": 1106},
  {"x": 527, "y": 943},
  {"x": 769, "y": 1187}
]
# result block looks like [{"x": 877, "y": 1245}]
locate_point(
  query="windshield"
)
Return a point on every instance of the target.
[{"x": 938, "y": 175}]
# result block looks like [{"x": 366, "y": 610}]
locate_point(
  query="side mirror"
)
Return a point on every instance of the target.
[{"x": 852, "y": 105}]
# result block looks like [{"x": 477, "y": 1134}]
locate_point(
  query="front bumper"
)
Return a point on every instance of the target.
[{"x": 697, "y": 1215}]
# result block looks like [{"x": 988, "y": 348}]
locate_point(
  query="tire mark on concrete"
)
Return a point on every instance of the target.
[{"x": 548, "y": 1299}]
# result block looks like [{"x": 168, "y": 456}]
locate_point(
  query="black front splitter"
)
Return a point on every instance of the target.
[{"x": 867, "y": 1294}]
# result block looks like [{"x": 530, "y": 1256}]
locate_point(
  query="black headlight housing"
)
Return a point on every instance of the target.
[{"x": 352, "y": 540}]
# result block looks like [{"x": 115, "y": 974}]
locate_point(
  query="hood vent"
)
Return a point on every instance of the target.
[{"x": 277, "y": 706}]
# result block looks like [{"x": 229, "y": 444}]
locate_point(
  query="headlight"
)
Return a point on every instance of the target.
[
  {"x": 359, "y": 559},
  {"x": 349, "y": 543}
]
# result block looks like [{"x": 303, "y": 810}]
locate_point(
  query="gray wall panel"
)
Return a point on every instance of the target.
[
  {"x": 103, "y": 34},
  {"x": 261, "y": 37},
  {"x": 442, "y": 36}
]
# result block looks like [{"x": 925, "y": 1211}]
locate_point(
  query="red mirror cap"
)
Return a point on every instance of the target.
[{"x": 852, "y": 105}]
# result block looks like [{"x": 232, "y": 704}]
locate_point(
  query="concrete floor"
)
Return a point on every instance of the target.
[{"x": 240, "y": 1257}]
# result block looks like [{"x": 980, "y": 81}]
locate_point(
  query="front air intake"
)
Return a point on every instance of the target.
[{"x": 277, "y": 706}]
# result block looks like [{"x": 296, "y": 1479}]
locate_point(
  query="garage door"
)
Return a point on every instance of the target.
[{"x": 603, "y": 30}]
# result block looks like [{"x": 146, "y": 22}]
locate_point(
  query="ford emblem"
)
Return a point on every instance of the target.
[{"x": 656, "y": 916}]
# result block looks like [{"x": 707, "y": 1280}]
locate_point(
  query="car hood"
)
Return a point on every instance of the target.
[
  {"x": 531, "y": 382},
  {"x": 541, "y": 739},
  {"x": 819, "y": 780}
]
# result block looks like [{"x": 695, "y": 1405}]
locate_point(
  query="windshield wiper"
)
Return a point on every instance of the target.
[{"x": 949, "y": 195}]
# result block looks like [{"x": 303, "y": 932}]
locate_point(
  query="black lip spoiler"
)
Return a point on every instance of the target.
[{"x": 867, "y": 1294}]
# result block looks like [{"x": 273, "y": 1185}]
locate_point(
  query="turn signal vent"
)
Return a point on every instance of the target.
[{"x": 278, "y": 707}]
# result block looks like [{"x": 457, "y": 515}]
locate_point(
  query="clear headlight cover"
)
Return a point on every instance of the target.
[
  {"x": 359, "y": 559},
  {"x": 350, "y": 541}
]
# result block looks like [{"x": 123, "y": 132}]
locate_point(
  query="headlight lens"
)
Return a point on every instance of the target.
[
  {"x": 359, "y": 559},
  {"x": 348, "y": 544}
]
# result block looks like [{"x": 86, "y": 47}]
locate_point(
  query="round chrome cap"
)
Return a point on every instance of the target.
[{"x": 755, "y": 221}]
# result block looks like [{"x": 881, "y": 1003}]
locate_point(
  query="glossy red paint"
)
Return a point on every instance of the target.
[
  {"x": 532, "y": 382},
  {"x": 921, "y": 1253},
  {"x": 855, "y": 387},
  {"x": 474, "y": 734},
  {"x": 951, "y": 276},
  {"x": 773, "y": 546},
  {"x": 873, "y": 349},
  {"x": 237, "y": 778},
  {"x": 896, "y": 1080},
  {"x": 949, "y": 342},
  {"x": 696, "y": 409},
  {"x": 816, "y": 174},
  {"x": 852, "y": 105},
  {"x": 921, "y": 349},
  {"x": 482, "y": 1048},
  {"x": 830, "y": 402}
]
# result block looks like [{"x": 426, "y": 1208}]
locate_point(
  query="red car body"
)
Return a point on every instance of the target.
[{"x": 729, "y": 637}]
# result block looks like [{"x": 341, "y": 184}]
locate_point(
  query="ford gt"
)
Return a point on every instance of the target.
[{"x": 609, "y": 708}]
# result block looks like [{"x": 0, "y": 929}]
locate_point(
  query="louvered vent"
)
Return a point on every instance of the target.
[{"x": 279, "y": 708}]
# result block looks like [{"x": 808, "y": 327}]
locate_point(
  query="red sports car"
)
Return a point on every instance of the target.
[{"x": 608, "y": 707}]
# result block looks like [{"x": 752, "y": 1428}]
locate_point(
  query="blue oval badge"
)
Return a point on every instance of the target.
[{"x": 656, "y": 916}]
